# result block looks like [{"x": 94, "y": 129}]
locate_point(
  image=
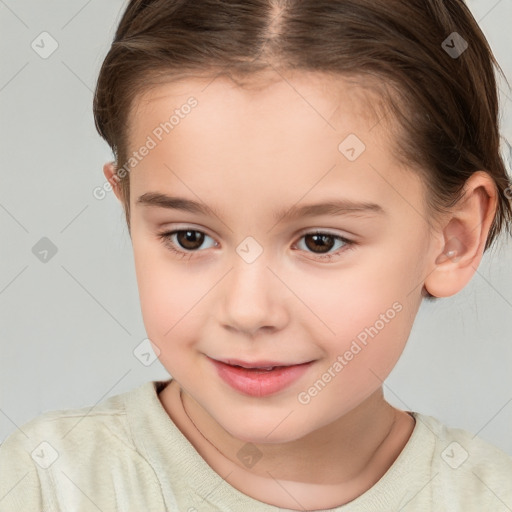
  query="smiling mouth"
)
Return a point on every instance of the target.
[
  {"x": 258, "y": 369},
  {"x": 259, "y": 380},
  {"x": 258, "y": 365}
]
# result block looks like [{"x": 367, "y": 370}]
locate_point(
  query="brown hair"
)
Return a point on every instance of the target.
[{"x": 446, "y": 103}]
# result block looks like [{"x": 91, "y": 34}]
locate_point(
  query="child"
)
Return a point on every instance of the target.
[{"x": 339, "y": 162}]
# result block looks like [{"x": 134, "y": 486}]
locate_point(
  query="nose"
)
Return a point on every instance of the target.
[{"x": 254, "y": 298}]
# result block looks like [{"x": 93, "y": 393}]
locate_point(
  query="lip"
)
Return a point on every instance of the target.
[
  {"x": 255, "y": 364},
  {"x": 259, "y": 383}
]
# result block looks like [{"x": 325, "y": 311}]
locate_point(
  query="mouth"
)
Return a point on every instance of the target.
[
  {"x": 259, "y": 378},
  {"x": 259, "y": 365}
]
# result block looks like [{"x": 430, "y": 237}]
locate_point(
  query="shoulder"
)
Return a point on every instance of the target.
[
  {"x": 457, "y": 446},
  {"x": 467, "y": 470},
  {"x": 58, "y": 442},
  {"x": 70, "y": 425}
]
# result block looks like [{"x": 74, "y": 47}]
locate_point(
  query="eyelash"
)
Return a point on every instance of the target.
[{"x": 349, "y": 244}]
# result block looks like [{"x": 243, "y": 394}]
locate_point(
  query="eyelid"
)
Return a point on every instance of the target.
[
  {"x": 185, "y": 227},
  {"x": 327, "y": 231}
]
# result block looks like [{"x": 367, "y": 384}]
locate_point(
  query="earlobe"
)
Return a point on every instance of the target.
[
  {"x": 109, "y": 170},
  {"x": 464, "y": 237}
]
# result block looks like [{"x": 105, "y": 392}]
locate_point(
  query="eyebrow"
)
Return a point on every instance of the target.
[{"x": 332, "y": 207}]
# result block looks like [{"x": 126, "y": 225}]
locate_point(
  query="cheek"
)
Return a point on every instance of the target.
[
  {"x": 167, "y": 294},
  {"x": 360, "y": 357},
  {"x": 369, "y": 335},
  {"x": 364, "y": 315},
  {"x": 342, "y": 302}
]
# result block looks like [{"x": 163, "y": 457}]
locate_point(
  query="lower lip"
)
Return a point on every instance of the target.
[{"x": 260, "y": 382}]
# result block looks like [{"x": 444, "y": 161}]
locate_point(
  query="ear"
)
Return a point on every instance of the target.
[
  {"x": 463, "y": 237},
  {"x": 109, "y": 170}
]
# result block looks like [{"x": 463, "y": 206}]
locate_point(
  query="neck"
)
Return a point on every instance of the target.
[{"x": 354, "y": 446}]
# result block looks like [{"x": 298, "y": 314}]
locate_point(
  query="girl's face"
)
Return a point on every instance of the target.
[{"x": 251, "y": 281}]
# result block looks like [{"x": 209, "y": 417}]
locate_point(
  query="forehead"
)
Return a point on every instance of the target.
[
  {"x": 276, "y": 138},
  {"x": 326, "y": 94}
]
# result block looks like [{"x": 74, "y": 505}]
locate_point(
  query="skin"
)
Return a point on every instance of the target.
[{"x": 248, "y": 153}]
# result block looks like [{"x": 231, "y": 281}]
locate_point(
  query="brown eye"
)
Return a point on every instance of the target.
[
  {"x": 319, "y": 243},
  {"x": 324, "y": 245},
  {"x": 190, "y": 240},
  {"x": 185, "y": 242}
]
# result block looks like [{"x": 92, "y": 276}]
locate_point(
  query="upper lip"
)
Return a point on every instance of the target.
[{"x": 256, "y": 364}]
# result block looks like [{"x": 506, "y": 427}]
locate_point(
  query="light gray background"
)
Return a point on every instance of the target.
[{"x": 69, "y": 326}]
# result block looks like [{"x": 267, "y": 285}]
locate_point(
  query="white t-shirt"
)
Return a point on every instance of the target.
[{"x": 126, "y": 455}]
